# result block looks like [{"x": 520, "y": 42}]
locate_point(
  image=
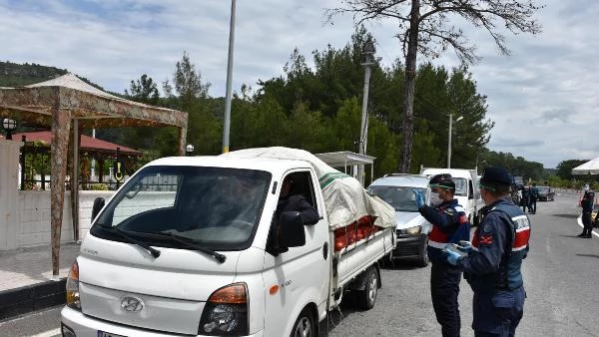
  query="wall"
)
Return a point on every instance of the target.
[
  {"x": 9, "y": 216},
  {"x": 34, "y": 210},
  {"x": 34, "y": 229}
]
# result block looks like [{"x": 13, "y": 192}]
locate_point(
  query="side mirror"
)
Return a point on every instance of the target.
[
  {"x": 98, "y": 205},
  {"x": 292, "y": 230}
]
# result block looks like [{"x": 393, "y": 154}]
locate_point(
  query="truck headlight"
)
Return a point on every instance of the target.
[
  {"x": 415, "y": 230},
  {"x": 73, "y": 300},
  {"x": 226, "y": 312}
]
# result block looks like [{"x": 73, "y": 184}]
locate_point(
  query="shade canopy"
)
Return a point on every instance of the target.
[
  {"x": 590, "y": 167},
  {"x": 94, "y": 108},
  {"x": 68, "y": 101}
]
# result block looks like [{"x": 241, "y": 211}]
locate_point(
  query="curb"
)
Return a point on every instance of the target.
[{"x": 19, "y": 301}]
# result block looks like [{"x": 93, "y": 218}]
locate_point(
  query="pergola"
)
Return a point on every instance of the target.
[{"x": 67, "y": 105}]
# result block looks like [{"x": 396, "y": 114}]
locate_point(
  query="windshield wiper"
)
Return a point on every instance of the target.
[
  {"x": 190, "y": 243},
  {"x": 154, "y": 252}
]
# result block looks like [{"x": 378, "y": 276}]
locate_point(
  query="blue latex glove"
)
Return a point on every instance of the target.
[
  {"x": 419, "y": 198},
  {"x": 464, "y": 246},
  {"x": 452, "y": 256}
]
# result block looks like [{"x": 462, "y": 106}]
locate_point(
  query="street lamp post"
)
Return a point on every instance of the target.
[
  {"x": 9, "y": 125},
  {"x": 449, "y": 138},
  {"x": 227, "y": 118},
  {"x": 368, "y": 63}
]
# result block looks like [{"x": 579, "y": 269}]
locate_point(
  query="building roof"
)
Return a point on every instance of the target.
[
  {"x": 87, "y": 143},
  {"x": 345, "y": 158}
]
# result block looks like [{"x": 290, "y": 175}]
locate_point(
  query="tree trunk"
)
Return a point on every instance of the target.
[{"x": 409, "y": 87}]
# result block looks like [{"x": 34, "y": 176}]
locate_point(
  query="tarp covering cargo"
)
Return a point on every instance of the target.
[{"x": 345, "y": 198}]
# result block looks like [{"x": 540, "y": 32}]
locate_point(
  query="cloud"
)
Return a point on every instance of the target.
[
  {"x": 544, "y": 97},
  {"x": 514, "y": 142},
  {"x": 558, "y": 114}
]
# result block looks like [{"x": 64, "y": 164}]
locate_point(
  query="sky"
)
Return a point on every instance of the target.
[{"x": 543, "y": 98}]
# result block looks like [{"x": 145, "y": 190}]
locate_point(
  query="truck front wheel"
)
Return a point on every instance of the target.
[
  {"x": 304, "y": 325},
  {"x": 366, "y": 298}
]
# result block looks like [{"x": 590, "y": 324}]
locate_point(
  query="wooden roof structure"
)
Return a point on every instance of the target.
[
  {"x": 66, "y": 104},
  {"x": 88, "y": 144}
]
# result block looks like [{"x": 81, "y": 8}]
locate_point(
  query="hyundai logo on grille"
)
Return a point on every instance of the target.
[{"x": 132, "y": 304}]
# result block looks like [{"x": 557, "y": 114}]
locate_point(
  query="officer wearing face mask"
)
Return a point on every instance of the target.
[
  {"x": 450, "y": 225},
  {"x": 494, "y": 261}
]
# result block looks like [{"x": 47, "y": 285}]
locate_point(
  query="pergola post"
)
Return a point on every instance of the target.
[
  {"x": 182, "y": 133},
  {"x": 61, "y": 125},
  {"x": 76, "y": 137}
]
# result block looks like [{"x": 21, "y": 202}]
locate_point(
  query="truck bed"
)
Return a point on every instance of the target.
[{"x": 352, "y": 260}]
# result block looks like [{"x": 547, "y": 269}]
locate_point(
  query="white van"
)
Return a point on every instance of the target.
[
  {"x": 188, "y": 247},
  {"x": 466, "y": 188}
]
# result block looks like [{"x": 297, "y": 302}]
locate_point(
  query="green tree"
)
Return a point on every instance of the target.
[
  {"x": 188, "y": 81},
  {"x": 144, "y": 90},
  {"x": 564, "y": 168},
  {"x": 306, "y": 129}
]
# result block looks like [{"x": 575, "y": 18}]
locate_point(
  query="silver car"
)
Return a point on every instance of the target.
[{"x": 412, "y": 229}]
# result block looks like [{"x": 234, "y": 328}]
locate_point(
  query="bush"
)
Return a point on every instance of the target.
[{"x": 98, "y": 187}]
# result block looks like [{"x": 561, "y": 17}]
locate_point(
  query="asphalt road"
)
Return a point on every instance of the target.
[{"x": 561, "y": 276}]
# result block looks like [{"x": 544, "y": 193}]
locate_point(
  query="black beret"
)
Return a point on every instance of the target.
[
  {"x": 442, "y": 181},
  {"x": 496, "y": 175}
]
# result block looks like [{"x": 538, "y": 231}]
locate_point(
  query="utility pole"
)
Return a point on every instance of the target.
[
  {"x": 227, "y": 119},
  {"x": 449, "y": 142},
  {"x": 368, "y": 63}
]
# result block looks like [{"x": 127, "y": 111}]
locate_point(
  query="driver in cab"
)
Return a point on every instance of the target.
[{"x": 296, "y": 202}]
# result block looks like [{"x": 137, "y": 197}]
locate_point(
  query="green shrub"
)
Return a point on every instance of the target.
[{"x": 98, "y": 187}]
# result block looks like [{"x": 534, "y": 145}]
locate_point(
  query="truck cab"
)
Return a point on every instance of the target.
[{"x": 466, "y": 188}]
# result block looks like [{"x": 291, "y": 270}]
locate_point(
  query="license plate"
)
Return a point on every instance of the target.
[{"x": 108, "y": 334}]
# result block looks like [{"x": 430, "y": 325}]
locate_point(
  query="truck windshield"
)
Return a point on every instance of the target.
[
  {"x": 400, "y": 197},
  {"x": 217, "y": 208}
]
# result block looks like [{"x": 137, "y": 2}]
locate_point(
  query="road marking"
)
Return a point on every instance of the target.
[
  {"x": 579, "y": 220},
  {"x": 49, "y": 333}
]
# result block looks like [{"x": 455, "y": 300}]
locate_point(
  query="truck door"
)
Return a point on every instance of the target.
[
  {"x": 471, "y": 201},
  {"x": 299, "y": 276}
]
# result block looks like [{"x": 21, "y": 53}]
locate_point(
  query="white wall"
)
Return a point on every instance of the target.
[
  {"x": 86, "y": 204},
  {"x": 34, "y": 229},
  {"x": 9, "y": 215},
  {"x": 34, "y": 210}
]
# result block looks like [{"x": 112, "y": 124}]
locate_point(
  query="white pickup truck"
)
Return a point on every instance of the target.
[{"x": 186, "y": 248}]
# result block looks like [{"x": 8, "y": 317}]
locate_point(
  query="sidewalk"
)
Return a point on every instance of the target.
[{"x": 26, "y": 281}]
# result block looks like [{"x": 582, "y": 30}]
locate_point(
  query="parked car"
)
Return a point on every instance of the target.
[
  {"x": 411, "y": 229},
  {"x": 546, "y": 193}
]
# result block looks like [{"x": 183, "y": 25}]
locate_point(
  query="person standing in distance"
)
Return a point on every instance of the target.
[
  {"x": 450, "y": 225},
  {"x": 587, "y": 203},
  {"x": 494, "y": 261},
  {"x": 534, "y": 195}
]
